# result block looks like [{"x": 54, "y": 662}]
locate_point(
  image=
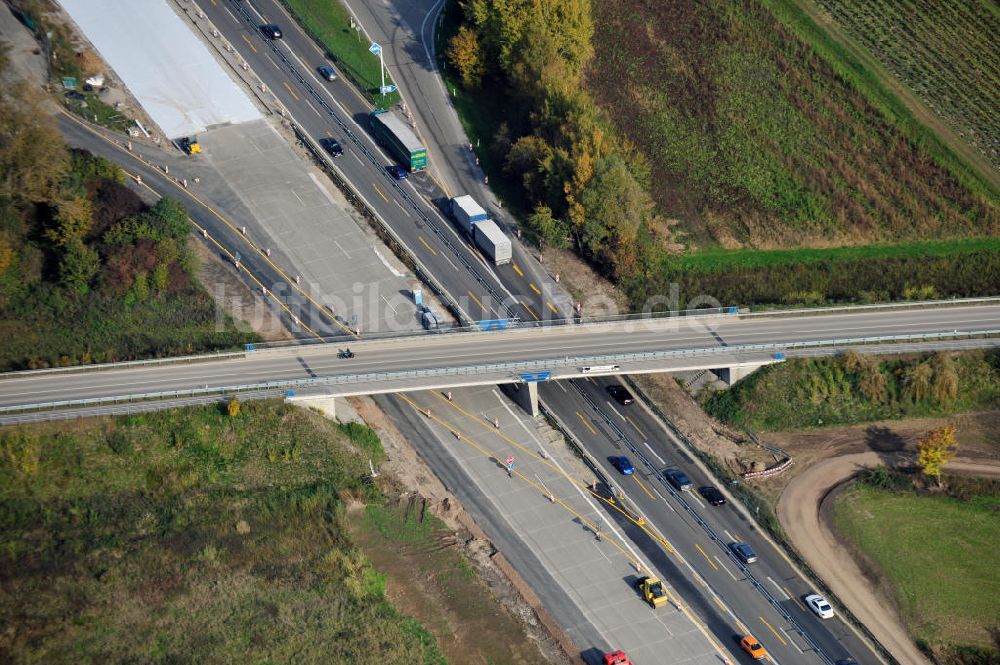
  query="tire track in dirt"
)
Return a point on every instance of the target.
[{"x": 799, "y": 510}]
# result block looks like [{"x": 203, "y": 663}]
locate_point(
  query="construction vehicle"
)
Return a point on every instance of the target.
[
  {"x": 652, "y": 591},
  {"x": 189, "y": 145}
]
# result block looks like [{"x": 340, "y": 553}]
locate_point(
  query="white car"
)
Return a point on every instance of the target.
[{"x": 819, "y": 605}]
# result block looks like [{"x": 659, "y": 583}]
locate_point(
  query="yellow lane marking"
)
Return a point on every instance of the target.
[
  {"x": 431, "y": 249},
  {"x": 719, "y": 603},
  {"x": 641, "y": 433},
  {"x": 473, "y": 296},
  {"x": 584, "y": 421},
  {"x": 583, "y": 520},
  {"x": 532, "y": 454},
  {"x": 232, "y": 257},
  {"x": 792, "y": 596},
  {"x": 517, "y": 269},
  {"x": 773, "y": 630},
  {"x": 710, "y": 562},
  {"x": 440, "y": 186},
  {"x": 534, "y": 288},
  {"x": 262, "y": 255},
  {"x": 639, "y": 483},
  {"x": 552, "y": 307},
  {"x": 380, "y": 192},
  {"x": 530, "y": 311},
  {"x": 544, "y": 492},
  {"x": 247, "y": 40},
  {"x": 290, "y": 90}
]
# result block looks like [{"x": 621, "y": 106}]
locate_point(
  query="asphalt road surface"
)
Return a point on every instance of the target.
[
  {"x": 763, "y": 598},
  {"x": 558, "y": 347}
]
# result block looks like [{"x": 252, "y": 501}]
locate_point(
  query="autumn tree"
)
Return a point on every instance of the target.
[
  {"x": 465, "y": 55},
  {"x": 935, "y": 449},
  {"x": 72, "y": 221}
]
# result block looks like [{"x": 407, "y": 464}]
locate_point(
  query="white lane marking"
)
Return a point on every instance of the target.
[
  {"x": 729, "y": 536},
  {"x": 780, "y": 590},
  {"x": 387, "y": 264},
  {"x": 665, "y": 502},
  {"x": 561, "y": 386},
  {"x": 653, "y": 452},
  {"x": 342, "y": 249},
  {"x": 612, "y": 407},
  {"x": 596, "y": 546},
  {"x": 315, "y": 110},
  {"x": 725, "y": 567},
  {"x": 790, "y": 639},
  {"x": 696, "y": 498},
  {"x": 405, "y": 211},
  {"x": 388, "y": 304},
  {"x": 355, "y": 156},
  {"x": 609, "y": 526},
  {"x": 324, "y": 190}
]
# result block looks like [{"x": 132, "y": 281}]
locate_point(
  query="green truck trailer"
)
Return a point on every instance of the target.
[{"x": 394, "y": 134}]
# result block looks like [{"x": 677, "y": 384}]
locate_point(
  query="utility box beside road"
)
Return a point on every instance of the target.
[{"x": 467, "y": 212}]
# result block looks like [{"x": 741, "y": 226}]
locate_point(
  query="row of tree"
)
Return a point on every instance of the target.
[{"x": 584, "y": 185}]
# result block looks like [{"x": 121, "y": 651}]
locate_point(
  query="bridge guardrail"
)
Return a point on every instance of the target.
[{"x": 493, "y": 368}]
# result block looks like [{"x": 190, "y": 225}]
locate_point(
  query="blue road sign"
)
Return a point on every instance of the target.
[
  {"x": 731, "y": 310},
  {"x": 386, "y": 89},
  {"x": 494, "y": 324},
  {"x": 533, "y": 377},
  {"x": 249, "y": 347},
  {"x": 375, "y": 48}
]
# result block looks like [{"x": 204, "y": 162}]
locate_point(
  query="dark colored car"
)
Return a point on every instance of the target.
[
  {"x": 397, "y": 172},
  {"x": 847, "y": 661},
  {"x": 678, "y": 479},
  {"x": 271, "y": 30},
  {"x": 326, "y": 71},
  {"x": 620, "y": 394},
  {"x": 712, "y": 495},
  {"x": 623, "y": 464},
  {"x": 332, "y": 146},
  {"x": 743, "y": 552}
]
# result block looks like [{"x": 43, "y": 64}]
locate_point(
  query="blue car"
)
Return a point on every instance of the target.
[{"x": 623, "y": 465}]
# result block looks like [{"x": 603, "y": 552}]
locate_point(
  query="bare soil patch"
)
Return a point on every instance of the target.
[
  {"x": 892, "y": 439},
  {"x": 490, "y": 616}
]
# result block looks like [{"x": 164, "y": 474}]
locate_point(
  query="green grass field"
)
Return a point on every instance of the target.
[
  {"x": 937, "y": 557},
  {"x": 189, "y": 536},
  {"x": 328, "y": 22}
]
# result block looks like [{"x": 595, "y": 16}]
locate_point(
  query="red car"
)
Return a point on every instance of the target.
[{"x": 616, "y": 658}]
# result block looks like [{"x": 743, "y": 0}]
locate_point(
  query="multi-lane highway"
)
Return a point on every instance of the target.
[
  {"x": 762, "y": 598},
  {"x": 698, "y": 532},
  {"x": 411, "y": 207}
]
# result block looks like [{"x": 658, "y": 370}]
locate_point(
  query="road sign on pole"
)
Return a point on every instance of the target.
[
  {"x": 386, "y": 89},
  {"x": 375, "y": 48},
  {"x": 510, "y": 461}
]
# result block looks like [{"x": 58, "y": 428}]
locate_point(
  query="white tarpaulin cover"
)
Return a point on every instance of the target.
[{"x": 166, "y": 67}]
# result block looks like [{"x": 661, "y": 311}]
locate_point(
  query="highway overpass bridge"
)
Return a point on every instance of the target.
[{"x": 731, "y": 344}]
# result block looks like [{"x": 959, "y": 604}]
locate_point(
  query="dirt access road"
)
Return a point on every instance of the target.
[{"x": 799, "y": 514}]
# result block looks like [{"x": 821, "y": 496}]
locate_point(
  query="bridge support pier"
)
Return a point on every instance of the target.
[
  {"x": 526, "y": 396},
  {"x": 734, "y": 374}
]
